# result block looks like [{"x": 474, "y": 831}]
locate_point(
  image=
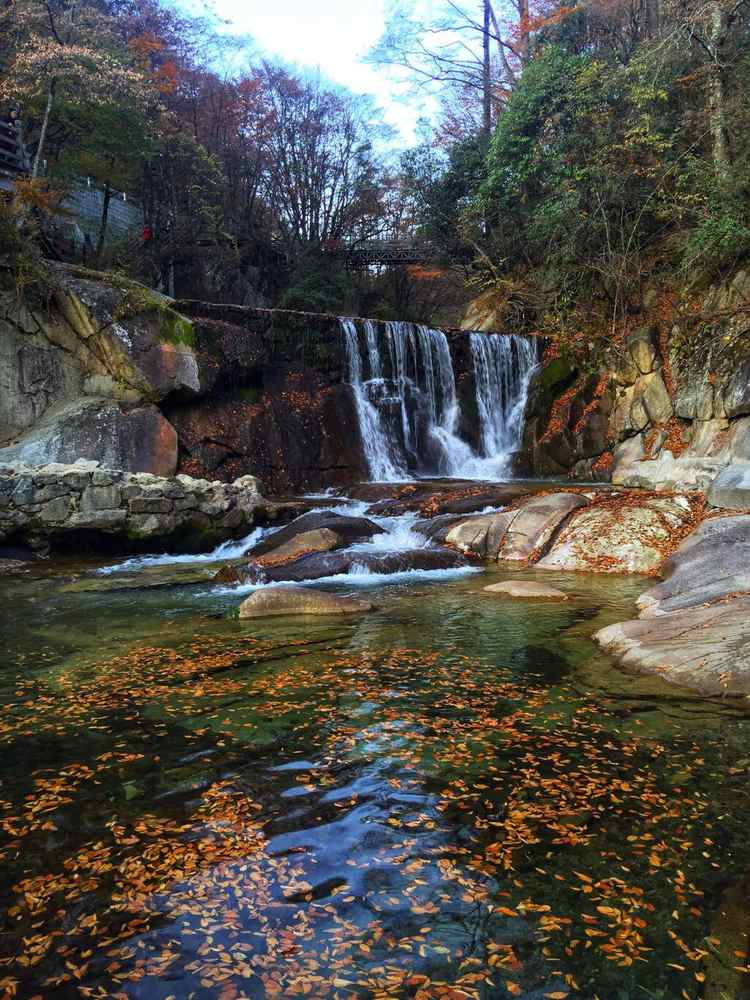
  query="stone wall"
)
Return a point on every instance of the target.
[{"x": 61, "y": 505}]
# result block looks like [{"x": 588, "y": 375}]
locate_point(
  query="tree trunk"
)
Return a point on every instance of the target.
[
  {"x": 523, "y": 30},
  {"x": 104, "y": 221},
  {"x": 45, "y": 126},
  {"x": 717, "y": 104},
  {"x": 487, "y": 74}
]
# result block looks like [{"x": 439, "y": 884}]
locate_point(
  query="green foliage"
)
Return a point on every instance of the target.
[{"x": 318, "y": 285}]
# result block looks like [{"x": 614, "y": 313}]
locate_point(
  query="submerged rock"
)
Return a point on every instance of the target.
[
  {"x": 526, "y": 589},
  {"x": 278, "y": 601}
]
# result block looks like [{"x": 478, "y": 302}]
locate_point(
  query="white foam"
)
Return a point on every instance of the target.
[
  {"x": 233, "y": 549},
  {"x": 358, "y": 576}
]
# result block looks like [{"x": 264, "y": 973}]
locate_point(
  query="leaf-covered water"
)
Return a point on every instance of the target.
[{"x": 453, "y": 797}]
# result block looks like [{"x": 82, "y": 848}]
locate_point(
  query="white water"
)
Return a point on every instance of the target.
[
  {"x": 359, "y": 576},
  {"x": 379, "y": 454},
  {"x": 234, "y": 549},
  {"x": 409, "y": 417},
  {"x": 503, "y": 367}
]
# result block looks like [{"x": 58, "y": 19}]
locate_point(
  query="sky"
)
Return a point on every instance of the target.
[{"x": 334, "y": 36}]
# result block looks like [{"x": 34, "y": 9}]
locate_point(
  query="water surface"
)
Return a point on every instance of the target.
[{"x": 453, "y": 797}]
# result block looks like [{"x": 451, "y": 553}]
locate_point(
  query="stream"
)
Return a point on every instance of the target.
[{"x": 454, "y": 796}]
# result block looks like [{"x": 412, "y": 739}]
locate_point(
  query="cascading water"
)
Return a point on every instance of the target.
[
  {"x": 503, "y": 366},
  {"x": 383, "y": 464},
  {"x": 407, "y": 403}
]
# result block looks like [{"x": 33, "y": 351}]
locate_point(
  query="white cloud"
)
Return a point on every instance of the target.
[{"x": 331, "y": 35}]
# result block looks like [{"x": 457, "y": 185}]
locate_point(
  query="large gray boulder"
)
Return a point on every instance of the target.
[
  {"x": 536, "y": 524},
  {"x": 619, "y": 536},
  {"x": 282, "y": 601},
  {"x": 705, "y": 648},
  {"x": 129, "y": 438},
  {"x": 712, "y": 563},
  {"x": 518, "y": 535},
  {"x": 731, "y": 488}
]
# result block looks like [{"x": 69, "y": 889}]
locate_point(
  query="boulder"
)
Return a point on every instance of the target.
[
  {"x": 517, "y": 535},
  {"x": 133, "y": 439},
  {"x": 620, "y": 535},
  {"x": 275, "y": 601},
  {"x": 526, "y": 589},
  {"x": 731, "y": 488},
  {"x": 536, "y": 524},
  {"x": 318, "y": 566},
  {"x": 481, "y": 536},
  {"x": 705, "y": 648},
  {"x": 713, "y": 563},
  {"x": 642, "y": 349},
  {"x": 320, "y": 540},
  {"x": 347, "y": 529}
]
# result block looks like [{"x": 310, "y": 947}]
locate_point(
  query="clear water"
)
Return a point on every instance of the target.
[{"x": 454, "y": 796}]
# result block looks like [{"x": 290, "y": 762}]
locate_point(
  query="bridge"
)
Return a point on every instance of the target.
[{"x": 393, "y": 253}]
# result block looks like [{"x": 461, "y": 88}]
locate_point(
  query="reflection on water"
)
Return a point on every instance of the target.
[{"x": 453, "y": 797}]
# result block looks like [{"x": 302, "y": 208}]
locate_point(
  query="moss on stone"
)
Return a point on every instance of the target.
[{"x": 557, "y": 371}]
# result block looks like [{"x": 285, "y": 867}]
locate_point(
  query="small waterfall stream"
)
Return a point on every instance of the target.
[{"x": 404, "y": 387}]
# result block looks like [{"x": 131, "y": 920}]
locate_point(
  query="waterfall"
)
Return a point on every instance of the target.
[
  {"x": 407, "y": 404},
  {"x": 382, "y": 463},
  {"x": 503, "y": 366}
]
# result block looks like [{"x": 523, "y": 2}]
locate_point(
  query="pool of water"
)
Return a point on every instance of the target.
[{"x": 455, "y": 796}]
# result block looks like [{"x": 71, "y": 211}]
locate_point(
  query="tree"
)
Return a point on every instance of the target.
[
  {"x": 321, "y": 179},
  {"x": 66, "y": 53}
]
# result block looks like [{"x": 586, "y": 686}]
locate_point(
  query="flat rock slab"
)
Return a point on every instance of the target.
[
  {"x": 526, "y": 589},
  {"x": 619, "y": 537},
  {"x": 277, "y": 601},
  {"x": 712, "y": 563},
  {"x": 704, "y": 648}
]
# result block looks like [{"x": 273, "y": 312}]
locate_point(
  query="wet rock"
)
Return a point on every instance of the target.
[
  {"x": 348, "y": 529},
  {"x": 319, "y": 540},
  {"x": 278, "y": 601},
  {"x": 618, "y": 536},
  {"x": 318, "y": 566},
  {"x": 526, "y": 589},
  {"x": 705, "y": 648}
]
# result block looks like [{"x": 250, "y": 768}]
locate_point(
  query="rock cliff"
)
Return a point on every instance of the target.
[{"x": 669, "y": 411}]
